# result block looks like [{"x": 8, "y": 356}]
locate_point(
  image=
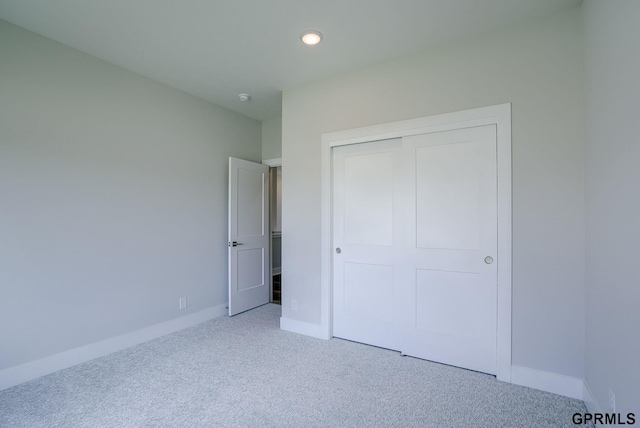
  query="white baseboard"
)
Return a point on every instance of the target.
[
  {"x": 568, "y": 386},
  {"x": 25, "y": 372},
  {"x": 301, "y": 327}
]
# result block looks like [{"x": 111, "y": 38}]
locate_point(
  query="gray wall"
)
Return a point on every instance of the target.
[
  {"x": 272, "y": 138},
  {"x": 113, "y": 198},
  {"x": 537, "y": 67},
  {"x": 612, "y": 72}
]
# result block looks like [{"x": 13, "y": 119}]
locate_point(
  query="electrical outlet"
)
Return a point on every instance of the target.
[
  {"x": 294, "y": 305},
  {"x": 182, "y": 303}
]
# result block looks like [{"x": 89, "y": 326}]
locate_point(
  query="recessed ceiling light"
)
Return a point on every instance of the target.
[
  {"x": 311, "y": 37},
  {"x": 244, "y": 97}
]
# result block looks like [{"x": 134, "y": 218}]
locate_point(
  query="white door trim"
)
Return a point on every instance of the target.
[
  {"x": 500, "y": 115},
  {"x": 272, "y": 162}
]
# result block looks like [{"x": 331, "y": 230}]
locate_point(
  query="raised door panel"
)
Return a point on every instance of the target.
[
  {"x": 368, "y": 199},
  {"x": 448, "y": 197},
  {"x": 249, "y": 213}
]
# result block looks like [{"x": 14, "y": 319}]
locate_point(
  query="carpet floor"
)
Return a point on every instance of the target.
[{"x": 246, "y": 372}]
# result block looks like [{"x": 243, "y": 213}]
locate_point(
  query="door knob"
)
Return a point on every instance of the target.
[
  {"x": 338, "y": 250},
  {"x": 234, "y": 244},
  {"x": 488, "y": 260}
]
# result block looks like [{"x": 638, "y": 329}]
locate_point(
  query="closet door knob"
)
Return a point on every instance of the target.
[
  {"x": 338, "y": 250},
  {"x": 488, "y": 260}
]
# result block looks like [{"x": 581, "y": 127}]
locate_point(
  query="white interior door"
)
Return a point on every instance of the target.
[
  {"x": 451, "y": 247},
  {"x": 248, "y": 235},
  {"x": 367, "y": 242},
  {"x": 416, "y": 223}
]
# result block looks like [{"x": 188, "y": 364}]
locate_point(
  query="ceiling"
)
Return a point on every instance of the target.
[{"x": 217, "y": 49}]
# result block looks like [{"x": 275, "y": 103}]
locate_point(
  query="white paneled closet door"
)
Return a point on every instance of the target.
[
  {"x": 416, "y": 222},
  {"x": 367, "y": 242},
  {"x": 451, "y": 244}
]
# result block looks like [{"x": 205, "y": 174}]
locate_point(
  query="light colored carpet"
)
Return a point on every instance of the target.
[{"x": 246, "y": 372}]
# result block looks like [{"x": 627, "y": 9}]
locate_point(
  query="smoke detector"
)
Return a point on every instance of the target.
[{"x": 244, "y": 97}]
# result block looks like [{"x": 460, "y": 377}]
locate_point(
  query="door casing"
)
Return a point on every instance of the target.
[{"x": 499, "y": 115}]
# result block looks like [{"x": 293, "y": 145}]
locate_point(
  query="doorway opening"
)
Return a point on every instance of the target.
[{"x": 275, "y": 215}]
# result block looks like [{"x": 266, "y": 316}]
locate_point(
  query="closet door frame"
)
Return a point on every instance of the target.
[{"x": 499, "y": 115}]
